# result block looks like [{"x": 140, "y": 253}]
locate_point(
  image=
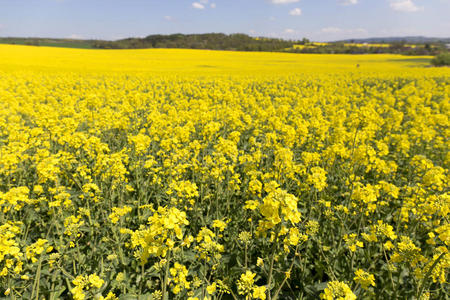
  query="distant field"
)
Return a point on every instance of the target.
[
  {"x": 166, "y": 61},
  {"x": 63, "y": 43},
  {"x": 358, "y": 45},
  {"x": 238, "y": 42}
]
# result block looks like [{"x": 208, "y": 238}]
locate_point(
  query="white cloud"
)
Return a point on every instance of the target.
[
  {"x": 289, "y": 31},
  {"x": 272, "y": 18},
  {"x": 359, "y": 30},
  {"x": 203, "y": 4},
  {"x": 198, "y": 5},
  {"x": 336, "y": 30},
  {"x": 295, "y": 12},
  {"x": 74, "y": 36},
  {"x": 122, "y": 36},
  {"x": 404, "y": 6},
  {"x": 283, "y": 1},
  {"x": 331, "y": 30},
  {"x": 334, "y": 33},
  {"x": 168, "y": 18},
  {"x": 252, "y": 31},
  {"x": 349, "y": 2}
]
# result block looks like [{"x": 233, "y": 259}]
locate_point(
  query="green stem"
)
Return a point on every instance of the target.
[
  {"x": 166, "y": 279},
  {"x": 425, "y": 279},
  {"x": 275, "y": 296},
  {"x": 389, "y": 270},
  {"x": 328, "y": 264},
  {"x": 37, "y": 280},
  {"x": 245, "y": 258},
  {"x": 269, "y": 282}
]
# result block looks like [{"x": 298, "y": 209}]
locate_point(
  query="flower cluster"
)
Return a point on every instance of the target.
[{"x": 165, "y": 229}]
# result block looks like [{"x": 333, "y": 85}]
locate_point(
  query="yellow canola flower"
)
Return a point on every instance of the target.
[
  {"x": 141, "y": 143},
  {"x": 337, "y": 290},
  {"x": 119, "y": 212},
  {"x": 363, "y": 278},
  {"x": 221, "y": 225},
  {"x": 164, "y": 226},
  {"x": 211, "y": 289},
  {"x": 15, "y": 198},
  {"x": 444, "y": 233},
  {"x": 85, "y": 283},
  {"x": 317, "y": 178},
  {"x": 179, "y": 273},
  {"x": 35, "y": 249},
  {"x": 245, "y": 283},
  {"x": 259, "y": 292},
  {"x": 95, "y": 281},
  {"x": 277, "y": 205},
  {"x": 352, "y": 242}
]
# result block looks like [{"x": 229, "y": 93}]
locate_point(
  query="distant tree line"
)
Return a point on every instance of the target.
[
  {"x": 241, "y": 42},
  {"x": 48, "y": 42},
  {"x": 212, "y": 41},
  {"x": 394, "y": 48},
  {"x": 441, "y": 60}
]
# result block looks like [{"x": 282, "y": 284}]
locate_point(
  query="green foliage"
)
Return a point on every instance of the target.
[
  {"x": 48, "y": 42},
  {"x": 213, "y": 41},
  {"x": 236, "y": 42},
  {"x": 243, "y": 42},
  {"x": 442, "y": 59},
  {"x": 394, "y": 48}
]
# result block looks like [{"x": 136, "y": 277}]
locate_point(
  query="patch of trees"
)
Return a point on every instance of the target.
[
  {"x": 394, "y": 48},
  {"x": 239, "y": 42},
  {"x": 212, "y": 41},
  {"x": 442, "y": 59},
  {"x": 243, "y": 42}
]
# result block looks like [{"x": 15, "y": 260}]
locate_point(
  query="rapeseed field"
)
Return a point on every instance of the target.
[{"x": 184, "y": 174}]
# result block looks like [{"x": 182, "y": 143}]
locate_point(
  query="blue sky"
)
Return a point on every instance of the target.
[{"x": 319, "y": 20}]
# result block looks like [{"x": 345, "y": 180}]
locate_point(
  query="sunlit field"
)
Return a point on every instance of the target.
[
  {"x": 203, "y": 62},
  {"x": 194, "y": 174}
]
